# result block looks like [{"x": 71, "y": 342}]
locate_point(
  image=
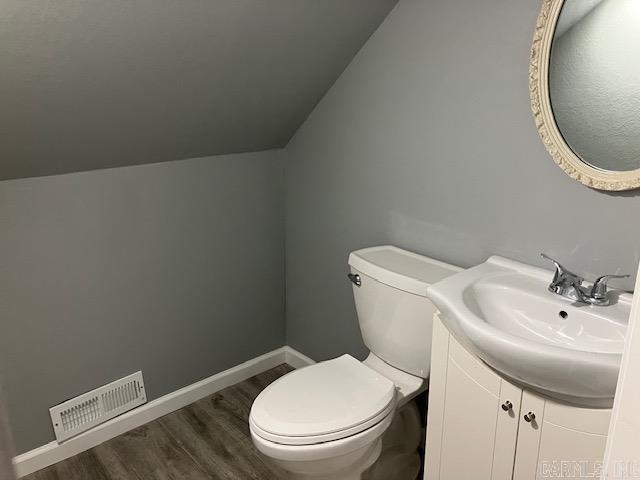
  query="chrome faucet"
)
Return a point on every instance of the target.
[{"x": 569, "y": 285}]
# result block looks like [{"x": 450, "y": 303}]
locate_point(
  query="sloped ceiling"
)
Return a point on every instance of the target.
[{"x": 89, "y": 84}]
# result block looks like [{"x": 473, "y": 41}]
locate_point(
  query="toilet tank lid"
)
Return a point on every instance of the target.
[{"x": 401, "y": 269}]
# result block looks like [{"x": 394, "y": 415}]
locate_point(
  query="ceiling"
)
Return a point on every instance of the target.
[{"x": 90, "y": 84}]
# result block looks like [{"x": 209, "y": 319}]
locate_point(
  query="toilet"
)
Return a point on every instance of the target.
[{"x": 345, "y": 419}]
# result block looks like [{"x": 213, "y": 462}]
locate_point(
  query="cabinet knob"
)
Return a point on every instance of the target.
[
  {"x": 506, "y": 406},
  {"x": 529, "y": 417}
]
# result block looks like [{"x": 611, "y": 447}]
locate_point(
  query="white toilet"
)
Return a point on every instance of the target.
[{"x": 332, "y": 420}]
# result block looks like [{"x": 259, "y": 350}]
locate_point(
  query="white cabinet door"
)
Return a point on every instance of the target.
[
  {"x": 470, "y": 417},
  {"x": 466, "y": 417},
  {"x": 573, "y": 441},
  {"x": 562, "y": 442},
  {"x": 531, "y": 415},
  {"x": 506, "y": 431}
]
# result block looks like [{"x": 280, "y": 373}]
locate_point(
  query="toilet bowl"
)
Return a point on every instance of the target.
[
  {"x": 328, "y": 421},
  {"x": 337, "y": 439}
]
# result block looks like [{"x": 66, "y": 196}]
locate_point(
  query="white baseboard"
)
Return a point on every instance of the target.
[
  {"x": 296, "y": 359},
  {"x": 55, "y": 452}
]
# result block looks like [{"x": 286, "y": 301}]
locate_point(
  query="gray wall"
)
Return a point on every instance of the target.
[
  {"x": 174, "y": 268},
  {"x": 426, "y": 141},
  {"x": 90, "y": 84}
]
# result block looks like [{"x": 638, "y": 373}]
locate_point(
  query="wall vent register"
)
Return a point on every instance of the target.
[{"x": 85, "y": 411}]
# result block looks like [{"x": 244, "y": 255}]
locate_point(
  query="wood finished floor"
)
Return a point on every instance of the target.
[{"x": 208, "y": 439}]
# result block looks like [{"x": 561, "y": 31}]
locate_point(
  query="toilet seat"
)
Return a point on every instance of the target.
[
  {"x": 316, "y": 439},
  {"x": 321, "y": 451},
  {"x": 327, "y": 401}
]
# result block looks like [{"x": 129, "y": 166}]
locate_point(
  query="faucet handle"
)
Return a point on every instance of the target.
[
  {"x": 599, "y": 288},
  {"x": 560, "y": 270}
]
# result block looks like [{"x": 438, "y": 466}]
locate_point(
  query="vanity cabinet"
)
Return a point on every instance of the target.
[{"x": 482, "y": 427}]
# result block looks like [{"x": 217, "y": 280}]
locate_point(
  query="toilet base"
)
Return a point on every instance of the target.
[
  {"x": 399, "y": 458},
  {"x": 346, "y": 467}
]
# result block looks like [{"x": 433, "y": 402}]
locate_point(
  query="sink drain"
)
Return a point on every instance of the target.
[{"x": 563, "y": 314}]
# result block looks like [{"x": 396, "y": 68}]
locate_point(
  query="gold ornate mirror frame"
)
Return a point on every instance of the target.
[{"x": 548, "y": 130}]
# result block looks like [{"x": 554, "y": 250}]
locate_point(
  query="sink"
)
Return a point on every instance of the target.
[{"x": 502, "y": 311}]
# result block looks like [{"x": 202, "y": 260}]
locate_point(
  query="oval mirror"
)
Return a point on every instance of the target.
[{"x": 585, "y": 89}]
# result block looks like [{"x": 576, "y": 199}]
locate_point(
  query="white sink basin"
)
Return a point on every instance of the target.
[{"x": 502, "y": 310}]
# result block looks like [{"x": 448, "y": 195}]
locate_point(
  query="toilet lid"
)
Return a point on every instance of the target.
[{"x": 322, "y": 402}]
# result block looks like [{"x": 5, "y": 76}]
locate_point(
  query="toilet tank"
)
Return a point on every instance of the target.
[{"x": 395, "y": 315}]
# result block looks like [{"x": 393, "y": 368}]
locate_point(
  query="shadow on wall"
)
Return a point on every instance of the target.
[{"x": 6, "y": 445}]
